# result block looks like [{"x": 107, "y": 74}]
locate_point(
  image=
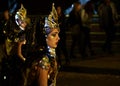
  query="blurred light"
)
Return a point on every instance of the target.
[
  {"x": 12, "y": 4},
  {"x": 4, "y": 77},
  {"x": 83, "y": 1},
  {"x": 13, "y": 8},
  {"x": 69, "y": 9}
]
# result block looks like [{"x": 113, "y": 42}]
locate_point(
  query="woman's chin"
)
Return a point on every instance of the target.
[{"x": 55, "y": 46}]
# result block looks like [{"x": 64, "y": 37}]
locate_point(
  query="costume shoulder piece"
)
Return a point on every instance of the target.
[{"x": 53, "y": 18}]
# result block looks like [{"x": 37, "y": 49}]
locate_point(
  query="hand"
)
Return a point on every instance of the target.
[
  {"x": 24, "y": 59},
  {"x": 24, "y": 42}
]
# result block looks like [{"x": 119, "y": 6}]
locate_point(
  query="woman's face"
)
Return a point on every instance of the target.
[
  {"x": 6, "y": 14},
  {"x": 23, "y": 24},
  {"x": 53, "y": 38},
  {"x": 77, "y": 7},
  {"x": 59, "y": 10}
]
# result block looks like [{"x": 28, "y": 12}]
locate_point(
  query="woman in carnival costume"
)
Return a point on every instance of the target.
[
  {"x": 15, "y": 40},
  {"x": 44, "y": 67}
]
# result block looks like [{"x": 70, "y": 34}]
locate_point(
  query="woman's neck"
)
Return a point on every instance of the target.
[{"x": 52, "y": 51}]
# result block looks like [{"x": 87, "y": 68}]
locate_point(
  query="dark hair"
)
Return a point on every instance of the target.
[
  {"x": 39, "y": 48},
  {"x": 40, "y": 34},
  {"x": 89, "y": 7},
  {"x": 77, "y": 3}
]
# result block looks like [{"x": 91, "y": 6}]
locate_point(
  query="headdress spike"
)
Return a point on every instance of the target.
[
  {"x": 21, "y": 14},
  {"x": 52, "y": 21}
]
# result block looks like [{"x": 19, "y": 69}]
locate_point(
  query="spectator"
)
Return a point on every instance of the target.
[
  {"x": 108, "y": 16},
  {"x": 4, "y": 21},
  {"x": 62, "y": 48},
  {"x": 86, "y": 16},
  {"x": 75, "y": 25}
]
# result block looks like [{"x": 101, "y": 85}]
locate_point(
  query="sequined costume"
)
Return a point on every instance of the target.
[
  {"x": 47, "y": 62},
  {"x": 46, "y": 56},
  {"x": 16, "y": 32},
  {"x": 16, "y": 37}
]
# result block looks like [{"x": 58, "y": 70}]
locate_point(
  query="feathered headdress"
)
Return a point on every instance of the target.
[{"x": 51, "y": 21}]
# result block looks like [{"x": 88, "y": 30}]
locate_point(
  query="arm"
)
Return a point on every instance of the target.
[
  {"x": 43, "y": 77},
  {"x": 43, "y": 70},
  {"x": 84, "y": 16},
  {"x": 114, "y": 11},
  {"x": 20, "y": 50}
]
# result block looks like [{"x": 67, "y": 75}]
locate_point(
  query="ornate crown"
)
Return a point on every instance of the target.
[
  {"x": 21, "y": 14},
  {"x": 51, "y": 21}
]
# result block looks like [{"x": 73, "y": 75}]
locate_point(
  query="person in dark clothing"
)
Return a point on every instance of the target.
[
  {"x": 4, "y": 17},
  {"x": 62, "y": 47},
  {"x": 75, "y": 25},
  {"x": 108, "y": 16},
  {"x": 86, "y": 16}
]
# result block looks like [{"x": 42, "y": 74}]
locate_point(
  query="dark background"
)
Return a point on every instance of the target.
[
  {"x": 44, "y": 6},
  {"x": 37, "y": 7}
]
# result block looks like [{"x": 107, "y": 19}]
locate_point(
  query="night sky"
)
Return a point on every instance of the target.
[
  {"x": 37, "y": 6},
  {"x": 43, "y": 6}
]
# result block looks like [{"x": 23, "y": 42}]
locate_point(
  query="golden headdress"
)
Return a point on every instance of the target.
[
  {"x": 51, "y": 21},
  {"x": 21, "y": 14}
]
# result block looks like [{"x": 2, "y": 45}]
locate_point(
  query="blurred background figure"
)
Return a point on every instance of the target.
[
  {"x": 86, "y": 16},
  {"x": 108, "y": 17},
  {"x": 62, "y": 48},
  {"x": 4, "y": 19},
  {"x": 75, "y": 25},
  {"x": 3, "y": 26}
]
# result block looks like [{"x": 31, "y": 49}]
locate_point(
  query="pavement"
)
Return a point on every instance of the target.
[
  {"x": 99, "y": 70},
  {"x": 98, "y": 64}
]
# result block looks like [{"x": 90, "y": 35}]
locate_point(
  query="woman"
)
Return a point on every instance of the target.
[
  {"x": 44, "y": 67},
  {"x": 14, "y": 47}
]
